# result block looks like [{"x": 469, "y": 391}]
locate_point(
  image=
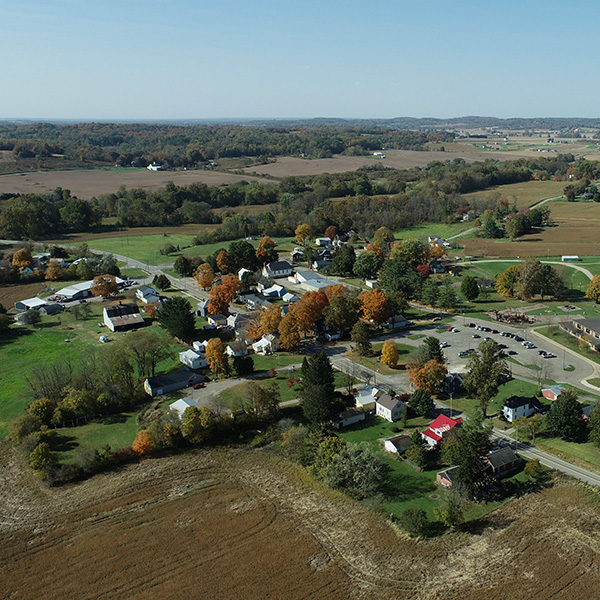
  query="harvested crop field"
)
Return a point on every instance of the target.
[
  {"x": 577, "y": 232},
  {"x": 397, "y": 159},
  {"x": 85, "y": 184},
  {"x": 239, "y": 524}
]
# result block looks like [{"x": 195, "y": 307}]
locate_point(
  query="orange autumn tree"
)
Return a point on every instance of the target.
[
  {"x": 220, "y": 296},
  {"x": 306, "y": 312},
  {"x": 53, "y": 272},
  {"x": 374, "y": 248},
  {"x": 374, "y": 306},
  {"x": 289, "y": 335},
  {"x": 331, "y": 232},
  {"x": 204, "y": 275},
  {"x": 143, "y": 442},
  {"x": 266, "y": 250},
  {"x": 429, "y": 376},
  {"x": 270, "y": 320}
]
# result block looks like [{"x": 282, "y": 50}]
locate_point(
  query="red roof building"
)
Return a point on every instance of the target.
[{"x": 438, "y": 428}]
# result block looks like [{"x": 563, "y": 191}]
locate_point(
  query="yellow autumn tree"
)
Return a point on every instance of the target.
[
  {"x": 389, "y": 354},
  {"x": 216, "y": 357},
  {"x": 303, "y": 233},
  {"x": 22, "y": 258},
  {"x": 204, "y": 276}
]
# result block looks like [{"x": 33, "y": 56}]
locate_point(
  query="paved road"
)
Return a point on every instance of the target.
[
  {"x": 396, "y": 382},
  {"x": 548, "y": 460}
]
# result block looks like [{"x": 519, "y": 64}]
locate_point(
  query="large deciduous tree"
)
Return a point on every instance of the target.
[
  {"x": 342, "y": 312},
  {"x": 266, "y": 252},
  {"x": 564, "y": 418},
  {"x": 593, "y": 290},
  {"x": 374, "y": 306},
  {"x": 289, "y": 336},
  {"x": 303, "y": 233},
  {"x": 486, "y": 372},
  {"x": 429, "y": 376},
  {"x": 389, "y": 354},
  {"x": 469, "y": 288},
  {"x": 205, "y": 276},
  {"x": 367, "y": 265},
  {"x": 216, "y": 357},
  {"x": 105, "y": 286}
]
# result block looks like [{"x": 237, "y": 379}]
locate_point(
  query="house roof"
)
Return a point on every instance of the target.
[
  {"x": 449, "y": 473},
  {"x": 555, "y": 389},
  {"x": 184, "y": 375},
  {"x": 190, "y": 354},
  {"x": 370, "y": 391},
  {"x": 145, "y": 289},
  {"x": 593, "y": 324},
  {"x": 180, "y": 405},
  {"x": 500, "y": 458},
  {"x": 432, "y": 434},
  {"x": 279, "y": 265},
  {"x": 351, "y": 412},
  {"x": 442, "y": 420},
  {"x": 399, "y": 441},
  {"x": 121, "y": 310},
  {"x": 388, "y": 402},
  {"x": 518, "y": 401},
  {"x": 33, "y": 302}
]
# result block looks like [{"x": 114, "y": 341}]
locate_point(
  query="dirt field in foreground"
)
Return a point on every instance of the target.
[
  {"x": 85, "y": 184},
  {"x": 233, "y": 524}
]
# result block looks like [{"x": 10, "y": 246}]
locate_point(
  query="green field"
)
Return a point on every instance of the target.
[
  {"x": 29, "y": 346},
  {"x": 405, "y": 353},
  {"x": 525, "y": 193},
  {"x": 144, "y": 248},
  {"x": 442, "y": 230},
  {"x": 118, "y": 431},
  {"x": 583, "y": 454}
]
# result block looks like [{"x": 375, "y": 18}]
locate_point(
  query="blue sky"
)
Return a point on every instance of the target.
[{"x": 147, "y": 59}]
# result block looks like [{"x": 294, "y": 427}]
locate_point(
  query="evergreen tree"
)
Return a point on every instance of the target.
[
  {"x": 469, "y": 288},
  {"x": 177, "y": 318},
  {"x": 565, "y": 416}
]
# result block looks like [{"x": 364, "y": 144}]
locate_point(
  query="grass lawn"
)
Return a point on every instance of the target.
[
  {"x": 118, "y": 431},
  {"x": 594, "y": 381},
  {"x": 407, "y": 487},
  {"x": 371, "y": 362},
  {"x": 277, "y": 360},
  {"x": 132, "y": 272},
  {"x": 29, "y": 347},
  {"x": 561, "y": 337},
  {"x": 584, "y": 454},
  {"x": 515, "y": 387},
  {"x": 442, "y": 230},
  {"x": 145, "y": 248},
  {"x": 284, "y": 246},
  {"x": 233, "y": 395}
]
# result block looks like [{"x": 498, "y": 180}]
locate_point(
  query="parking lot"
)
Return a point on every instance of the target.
[{"x": 459, "y": 341}]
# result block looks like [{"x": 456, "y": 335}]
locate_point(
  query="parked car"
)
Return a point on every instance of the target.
[
  {"x": 471, "y": 325},
  {"x": 444, "y": 345},
  {"x": 511, "y": 352},
  {"x": 199, "y": 386},
  {"x": 476, "y": 335}
]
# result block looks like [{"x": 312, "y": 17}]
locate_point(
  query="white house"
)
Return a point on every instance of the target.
[
  {"x": 438, "y": 428},
  {"x": 193, "y": 359},
  {"x": 371, "y": 283},
  {"x": 388, "y": 408},
  {"x": 275, "y": 291},
  {"x": 518, "y": 406},
  {"x": 367, "y": 397},
  {"x": 349, "y": 417},
  {"x": 180, "y": 406},
  {"x": 277, "y": 269},
  {"x": 243, "y": 272},
  {"x": 323, "y": 242},
  {"x": 236, "y": 349},
  {"x": 267, "y": 344},
  {"x": 200, "y": 346},
  {"x": 147, "y": 294},
  {"x": 154, "y": 167},
  {"x": 217, "y": 320},
  {"x": 290, "y": 298}
]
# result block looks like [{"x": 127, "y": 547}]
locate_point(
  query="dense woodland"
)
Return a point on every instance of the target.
[
  {"x": 361, "y": 200},
  {"x": 193, "y": 145}
]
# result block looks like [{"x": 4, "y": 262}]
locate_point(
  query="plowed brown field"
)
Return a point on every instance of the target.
[{"x": 244, "y": 525}]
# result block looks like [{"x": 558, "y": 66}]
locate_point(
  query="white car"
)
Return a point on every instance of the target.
[{"x": 444, "y": 345}]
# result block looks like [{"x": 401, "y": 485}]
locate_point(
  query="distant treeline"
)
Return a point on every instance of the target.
[
  {"x": 362, "y": 200},
  {"x": 192, "y": 145}
]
